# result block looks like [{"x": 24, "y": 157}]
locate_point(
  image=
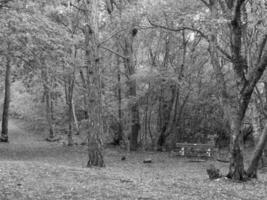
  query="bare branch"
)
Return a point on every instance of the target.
[
  {"x": 255, "y": 75},
  {"x": 179, "y": 29},
  {"x": 225, "y": 9},
  {"x": 228, "y": 56},
  {"x": 114, "y": 52},
  {"x": 78, "y": 8},
  {"x": 205, "y": 2},
  {"x": 111, "y": 36}
]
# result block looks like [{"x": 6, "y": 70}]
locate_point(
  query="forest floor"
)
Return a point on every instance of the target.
[{"x": 33, "y": 169}]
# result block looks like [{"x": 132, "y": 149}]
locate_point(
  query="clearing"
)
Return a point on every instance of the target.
[{"x": 32, "y": 169}]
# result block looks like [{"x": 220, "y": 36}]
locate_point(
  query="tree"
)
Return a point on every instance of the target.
[
  {"x": 126, "y": 44},
  {"x": 244, "y": 81},
  {"x": 93, "y": 89},
  {"x": 4, "y": 132},
  {"x": 227, "y": 54},
  {"x": 34, "y": 42}
]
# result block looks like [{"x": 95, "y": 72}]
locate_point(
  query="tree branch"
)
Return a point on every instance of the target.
[
  {"x": 179, "y": 29},
  {"x": 253, "y": 77},
  {"x": 111, "y": 36},
  {"x": 225, "y": 9},
  {"x": 228, "y": 56},
  {"x": 258, "y": 94},
  {"x": 78, "y": 8},
  {"x": 206, "y": 3},
  {"x": 114, "y": 52}
]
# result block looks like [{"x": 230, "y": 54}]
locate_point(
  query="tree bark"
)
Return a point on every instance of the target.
[
  {"x": 5, "y": 116},
  {"x": 234, "y": 105},
  {"x": 256, "y": 122},
  {"x": 135, "y": 128},
  {"x": 169, "y": 119},
  {"x": 253, "y": 166},
  {"x": 48, "y": 101},
  {"x": 75, "y": 118},
  {"x": 131, "y": 83},
  {"x": 69, "y": 87},
  {"x": 93, "y": 88},
  {"x": 70, "y": 113},
  {"x": 236, "y": 168},
  {"x": 119, "y": 133}
]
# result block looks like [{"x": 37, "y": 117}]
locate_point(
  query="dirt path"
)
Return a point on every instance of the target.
[
  {"x": 28, "y": 146},
  {"x": 18, "y": 135},
  {"x": 32, "y": 169}
]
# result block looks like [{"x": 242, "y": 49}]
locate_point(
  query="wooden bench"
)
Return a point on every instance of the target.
[{"x": 196, "y": 150}]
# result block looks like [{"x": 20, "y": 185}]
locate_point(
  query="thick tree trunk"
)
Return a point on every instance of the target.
[
  {"x": 169, "y": 114},
  {"x": 253, "y": 166},
  {"x": 4, "y": 132},
  {"x": 95, "y": 155},
  {"x": 162, "y": 139},
  {"x": 93, "y": 88},
  {"x": 131, "y": 83},
  {"x": 236, "y": 168}
]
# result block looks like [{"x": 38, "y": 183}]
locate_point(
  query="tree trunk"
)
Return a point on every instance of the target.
[
  {"x": 236, "y": 168},
  {"x": 49, "y": 113},
  {"x": 69, "y": 86},
  {"x": 162, "y": 139},
  {"x": 94, "y": 93},
  {"x": 119, "y": 133},
  {"x": 95, "y": 155},
  {"x": 4, "y": 133},
  {"x": 70, "y": 138},
  {"x": 135, "y": 124},
  {"x": 135, "y": 128},
  {"x": 256, "y": 122},
  {"x": 131, "y": 83},
  {"x": 75, "y": 118},
  {"x": 253, "y": 166},
  {"x": 145, "y": 122},
  {"x": 48, "y": 101},
  {"x": 169, "y": 118}
]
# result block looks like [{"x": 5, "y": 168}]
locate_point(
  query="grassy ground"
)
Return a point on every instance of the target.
[{"x": 31, "y": 169}]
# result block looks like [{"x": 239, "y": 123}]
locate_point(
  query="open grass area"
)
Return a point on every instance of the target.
[{"x": 50, "y": 171}]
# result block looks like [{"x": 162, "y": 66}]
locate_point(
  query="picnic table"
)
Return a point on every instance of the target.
[{"x": 196, "y": 150}]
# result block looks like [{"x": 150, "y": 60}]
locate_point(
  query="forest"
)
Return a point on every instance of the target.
[{"x": 133, "y": 99}]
